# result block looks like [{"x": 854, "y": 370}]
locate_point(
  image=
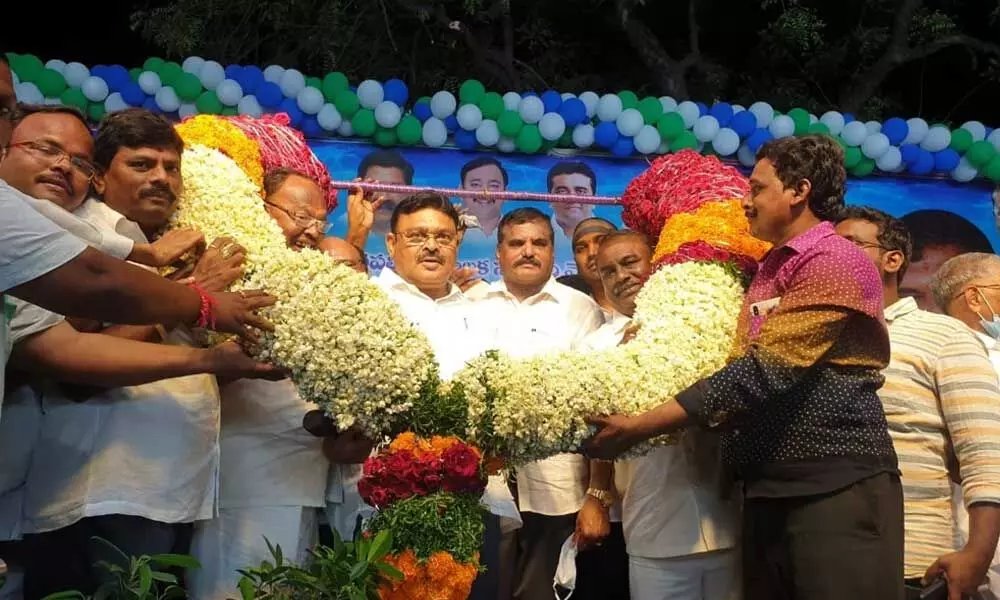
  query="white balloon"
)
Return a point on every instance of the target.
[
  {"x": 329, "y": 117},
  {"x": 442, "y": 105},
  {"x": 435, "y": 133},
  {"x": 567, "y": 95},
  {"x": 531, "y": 109},
  {"x": 28, "y": 93},
  {"x": 965, "y": 171},
  {"x": 52, "y": 101},
  {"x": 167, "y": 100},
  {"x": 726, "y": 142},
  {"x": 764, "y": 113},
  {"x": 273, "y": 73},
  {"x": 689, "y": 112},
  {"x": 705, "y": 128},
  {"x": 345, "y": 129},
  {"x": 149, "y": 82},
  {"x": 890, "y": 161},
  {"x": 56, "y": 65},
  {"x": 875, "y": 146},
  {"x": 310, "y": 100},
  {"x": 211, "y": 75},
  {"x": 193, "y": 65},
  {"x": 75, "y": 74},
  {"x": 114, "y": 103},
  {"x": 506, "y": 144},
  {"x": 609, "y": 107},
  {"x": 292, "y": 82},
  {"x": 229, "y": 92},
  {"x": 647, "y": 141},
  {"x": 937, "y": 139},
  {"x": 630, "y": 122},
  {"x": 664, "y": 148},
  {"x": 854, "y": 133},
  {"x": 918, "y": 130},
  {"x": 781, "y": 126},
  {"x": 469, "y": 117},
  {"x": 186, "y": 110},
  {"x": 873, "y": 127},
  {"x": 746, "y": 156},
  {"x": 15, "y": 78},
  {"x": 977, "y": 129},
  {"x": 669, "y": 104},
  {"x": 995, "y": 139},
  {"x": 738, "y": 108},
  {"x": 813, "y": 119},
  {"x": 370, "y": 93},
  {"x": 590, "y": 100},
  {"x": 249, "y": 106},
  {"x": 511, "y": 101},
  {"x": 583, "y": 135},
  {"x": 387, "y": 114},
  {"x": 487, "y": 134},
  {"x": 834, "y": 121},
  {"x": 552, "y": 126},
  {"x": 94, "y": 88}
]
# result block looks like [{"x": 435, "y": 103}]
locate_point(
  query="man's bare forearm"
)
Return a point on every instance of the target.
[{"x": 984, "y": 529}]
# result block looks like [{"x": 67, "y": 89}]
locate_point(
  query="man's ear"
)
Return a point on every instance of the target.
[
  {"x": 390, "y": 245},
  {"x": 98, "y": 184},
  {"x": 801, "y": 193}
]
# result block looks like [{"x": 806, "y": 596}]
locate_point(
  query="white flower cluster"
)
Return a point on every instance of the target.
[
  {"x": 526, "y": 410},
  {"x": 349, "y": 347}
]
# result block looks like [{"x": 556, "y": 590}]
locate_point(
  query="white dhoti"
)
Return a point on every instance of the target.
[{"x": 707, "y": 576}]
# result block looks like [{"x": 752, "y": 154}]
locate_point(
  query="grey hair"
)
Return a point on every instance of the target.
[{"x": 958, "y": 272}]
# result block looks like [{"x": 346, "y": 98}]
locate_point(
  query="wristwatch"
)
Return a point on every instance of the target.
[{"x": 605, "y": 497}]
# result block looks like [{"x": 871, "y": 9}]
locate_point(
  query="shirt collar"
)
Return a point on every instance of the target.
[
  {"x": 552, "y": 290},
  {"x": 618, "y": 321},
  {"x": 900, "y": 308},
  {"x": 93, "y": 209},
  {"x": 391, "y": 280},
  {"x": 807, "y": 239},
  {"x": 990, "y": 343}
]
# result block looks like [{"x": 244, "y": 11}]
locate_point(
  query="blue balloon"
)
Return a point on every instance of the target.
[
  {"x": 251, "y": 78},
  {"x": 946, "y": 160},
  {"x": 573, "y": 112},
  {"x": 623, "y": 147},
  {"x": 117, "y": 78},
  {"x": 269, "y": 95},
  {"x": 150, "y": 105},
  {"x": 723, "y": 113},
  {"x": 896, "y": 130},
  {"x": 353, "y": 88},
  {"x": 606, "y": 134},
  {"x": 924, "y": 163},
  {"x": 98, "y": 70},
  {"x": 702, "y": 108},
  {"x": 396, "y": 91},
  {"x": 552, "y": 100},
  {"x": 744, "y": 124},
  {"x": 233, "y": 72},
  {"x": 466, "y": 140},
  {"x": 422, "y": 111},
  {"x": 848, "y": 117},
  {"x": 910, "y": 153},
  {"x": 758, "y": 139},
  {"x": 989, "y": 131},
  {"x": 310, "y": 127},
  {"x": 133, "y": 95},
  {"x": 452, "y": 123},
  {"x": 291, "y": 106}
]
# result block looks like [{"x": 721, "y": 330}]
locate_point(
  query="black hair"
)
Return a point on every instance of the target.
[
  {"x": 483, "y": 161},
  {"x": 816, "y": 158},
  {"x": 944, "y": 228},
  {"x": 626, "y": 234},
  {"x": 133, "y": 128},
  {"x": 421, "y": 201},
  {"x": 577, "y": 282},
  {"x": 892, "y": 232},
  {"x": 276, "y": 178},
  {"x": 571, "y": 167},
  {"x": 386, "y": 159},
  {"x": 3, "y": 58},
  {"x": 26, "y": 110},
  {"x": 524, "y": 215}
]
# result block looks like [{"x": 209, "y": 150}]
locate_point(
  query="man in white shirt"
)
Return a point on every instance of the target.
[
  {"x": 533, "y": 314},
  {"x": 679, "y": 533}
]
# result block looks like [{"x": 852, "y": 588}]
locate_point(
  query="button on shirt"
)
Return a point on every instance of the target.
[
  {"x": 799, "y": 396},
  {"x": 556, "y": 319}
]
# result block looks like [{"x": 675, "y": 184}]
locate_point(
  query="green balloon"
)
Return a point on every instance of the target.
[
  {"x": 961, "y": 141},
  {"x": 852, "y": 156},
  {"x": 547, "y": 145},
  {"x": 74, "y": 97},
  {"x": 208, "y": 103},
  {"x": 992, "y": 170},
  {"x": 229, "y": 111},
  {"x": 566, "y": 141},
  {"x": 314, "y": 82},
  {"x": 863, "y": 168},
  {"x": 95, "y": 111},
  {"x": 651, "y": 110},
  {"x": 819, "y": 128},
  {"x": 153, "y": 64},
  {"x": 363, "y": 122},
  {"x": 51, "y": 83},
  {"x": 347, "y": 104},
  {"x": 491, "y": 105},
  {"x": 385, "y": 137},
  {"x": 629, "y": 99},
  {"x": 29, "y": 68},
  {"x": 684, "y": 141},
  {"x": 510, "y": 123},
  {"x": 171, "y": 73},
  {"x": 981, "y": 153},
  {"x": 801, "y": 118},
  {"x": 188, "y": 87},
  {"x": 529, "y": 140},
  {"x": 409, "y": 130},
  {"x": 471, "y": 92},
  {"x": 134, "y": 73},
  {"x": 424, "y": 99},
  {"x": 670, "y": 126},
  {"x": 333, "y": 84}
]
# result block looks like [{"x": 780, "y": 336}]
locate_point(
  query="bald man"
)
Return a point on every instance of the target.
[{"x": 344, "y": 253}]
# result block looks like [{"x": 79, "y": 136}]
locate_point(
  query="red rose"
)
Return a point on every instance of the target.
[
  {"x": 377, "y": 498},
  {"x": 461, "y": 461}
]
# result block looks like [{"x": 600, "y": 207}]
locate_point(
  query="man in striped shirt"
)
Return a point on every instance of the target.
[{"x": 943, "y": 406}]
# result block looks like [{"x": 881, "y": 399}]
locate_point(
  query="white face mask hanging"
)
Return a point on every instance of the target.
[{"x": 566, "y": 570}]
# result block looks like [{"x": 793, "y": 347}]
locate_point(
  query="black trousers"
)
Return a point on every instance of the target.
[
  {"x": 845, "y": 545},
  {"x": 66, "y": 559}
]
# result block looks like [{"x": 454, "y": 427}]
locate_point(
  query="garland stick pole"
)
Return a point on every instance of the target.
[{"x": 392, "y": 188}]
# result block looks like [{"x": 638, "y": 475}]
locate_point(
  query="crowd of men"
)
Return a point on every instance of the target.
[{"x": 863, "y": 432}]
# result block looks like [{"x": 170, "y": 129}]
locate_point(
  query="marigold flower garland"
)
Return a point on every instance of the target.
[{"x": 225, "y": 137}]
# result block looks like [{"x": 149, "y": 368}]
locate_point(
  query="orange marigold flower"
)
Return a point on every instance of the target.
[
  {"x": 722, "y": 224},
  {"x": 227, "y": 138},
  {"x": 404, "y": 441}
]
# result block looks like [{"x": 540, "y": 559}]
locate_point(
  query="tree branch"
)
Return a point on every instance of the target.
[
  {"x": 949, "y": 41},
  {"x": 668, "y": 72}
]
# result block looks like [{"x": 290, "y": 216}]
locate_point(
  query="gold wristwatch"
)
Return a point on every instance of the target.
[{"x": 605, "y": 497}]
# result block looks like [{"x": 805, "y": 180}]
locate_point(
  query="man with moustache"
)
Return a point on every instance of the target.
[
  {"x": 587, "y": 239},
  {"x": 571, "y": 178},
  {"x": 484, "y": 174},
  {"x": 804, "y": 428}
]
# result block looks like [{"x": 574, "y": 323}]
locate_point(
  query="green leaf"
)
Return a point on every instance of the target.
[
  {"x": 164, "y": 577},
  {"x": 358, "y": 570},
  {"x": 65, "y": 596},
  {"x": 357, "y": 594},
  {"x": 145, "y": 580},
  {"x": 389, "y": 571},
  {"x": 181, "y": 561},
  {"x": 247, "y": 591},
  {"x": 380, "y": 546}
]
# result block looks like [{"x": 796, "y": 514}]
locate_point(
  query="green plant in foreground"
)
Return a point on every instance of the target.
[{"x": 439, "y": 521}]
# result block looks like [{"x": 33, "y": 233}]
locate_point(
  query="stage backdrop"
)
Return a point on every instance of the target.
[{"x": 945, "y": 218}]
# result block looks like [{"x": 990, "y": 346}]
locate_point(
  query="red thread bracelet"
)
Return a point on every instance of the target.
[{"x": 206, "y": 312}]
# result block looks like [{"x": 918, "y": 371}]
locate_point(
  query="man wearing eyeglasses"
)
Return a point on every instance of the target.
[
  {"x": 942, "y": 404},
  {"x": 298, "y": 205}
]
